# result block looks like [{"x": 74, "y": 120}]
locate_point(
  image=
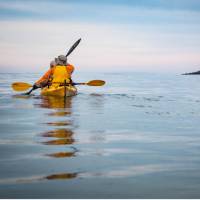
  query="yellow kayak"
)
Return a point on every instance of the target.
[{"x": 61, "y": 91}]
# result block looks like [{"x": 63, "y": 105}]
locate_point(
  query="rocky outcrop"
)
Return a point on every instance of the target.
[{"x": 192, "y": 73}]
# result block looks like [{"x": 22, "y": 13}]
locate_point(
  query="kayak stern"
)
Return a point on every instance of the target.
[{"x": 60, "y": 91}]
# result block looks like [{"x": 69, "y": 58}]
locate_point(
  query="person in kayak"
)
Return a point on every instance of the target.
[{"x": 60, "y": 71}]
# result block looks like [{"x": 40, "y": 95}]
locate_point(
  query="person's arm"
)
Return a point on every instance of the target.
[
  {"x": 70, "y": 68},
  {"x": 43, "y": 79}
]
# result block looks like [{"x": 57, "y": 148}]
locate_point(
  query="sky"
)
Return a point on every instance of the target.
[{"x": 117, "y": 35}]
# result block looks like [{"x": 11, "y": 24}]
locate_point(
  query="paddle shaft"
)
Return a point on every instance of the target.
[
  {"x": 79, "y": 83},
  {"x": 29, "y": 92}
]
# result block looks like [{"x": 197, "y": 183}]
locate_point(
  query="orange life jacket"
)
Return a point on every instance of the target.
[{"x": 57, "y": 74}]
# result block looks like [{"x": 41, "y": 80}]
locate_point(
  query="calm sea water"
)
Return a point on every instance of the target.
[{"x": 136, "y": 137}]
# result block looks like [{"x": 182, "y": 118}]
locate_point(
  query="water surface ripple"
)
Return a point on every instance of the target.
[{"x": 136, "y": 137}]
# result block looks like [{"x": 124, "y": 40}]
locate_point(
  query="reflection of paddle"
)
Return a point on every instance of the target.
[
  {"x": 62, "y": 176},
  {"x": 21, "y": 86}
]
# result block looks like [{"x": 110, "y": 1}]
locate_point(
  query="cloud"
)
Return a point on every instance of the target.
[
  {"x": 107, "y": 11},
  {"x": 30, "y": 45},
  {"x": 135, "y": 36}
]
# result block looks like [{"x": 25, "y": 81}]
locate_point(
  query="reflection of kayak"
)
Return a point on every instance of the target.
[{"x": 60, "y": 91}]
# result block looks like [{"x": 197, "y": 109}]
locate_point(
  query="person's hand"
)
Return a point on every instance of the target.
[{"x": 35, "y": 86}]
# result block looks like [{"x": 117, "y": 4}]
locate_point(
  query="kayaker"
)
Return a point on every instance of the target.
[{"x": 59, "y": 72}]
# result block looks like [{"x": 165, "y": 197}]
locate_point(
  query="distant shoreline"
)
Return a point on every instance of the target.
[{"x": 192, "y": 73}]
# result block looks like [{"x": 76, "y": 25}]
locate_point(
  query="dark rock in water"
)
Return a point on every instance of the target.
[{"x": 192, "y": 73}]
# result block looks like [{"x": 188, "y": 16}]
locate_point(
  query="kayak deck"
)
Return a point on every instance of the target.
[{"x": 61, "y": 91}]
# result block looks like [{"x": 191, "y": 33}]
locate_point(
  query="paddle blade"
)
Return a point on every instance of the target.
[
  {"x": 96, "y": 83},
  {"x": 20, "y": 86},
  {"x": 73, "y": 47}
]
